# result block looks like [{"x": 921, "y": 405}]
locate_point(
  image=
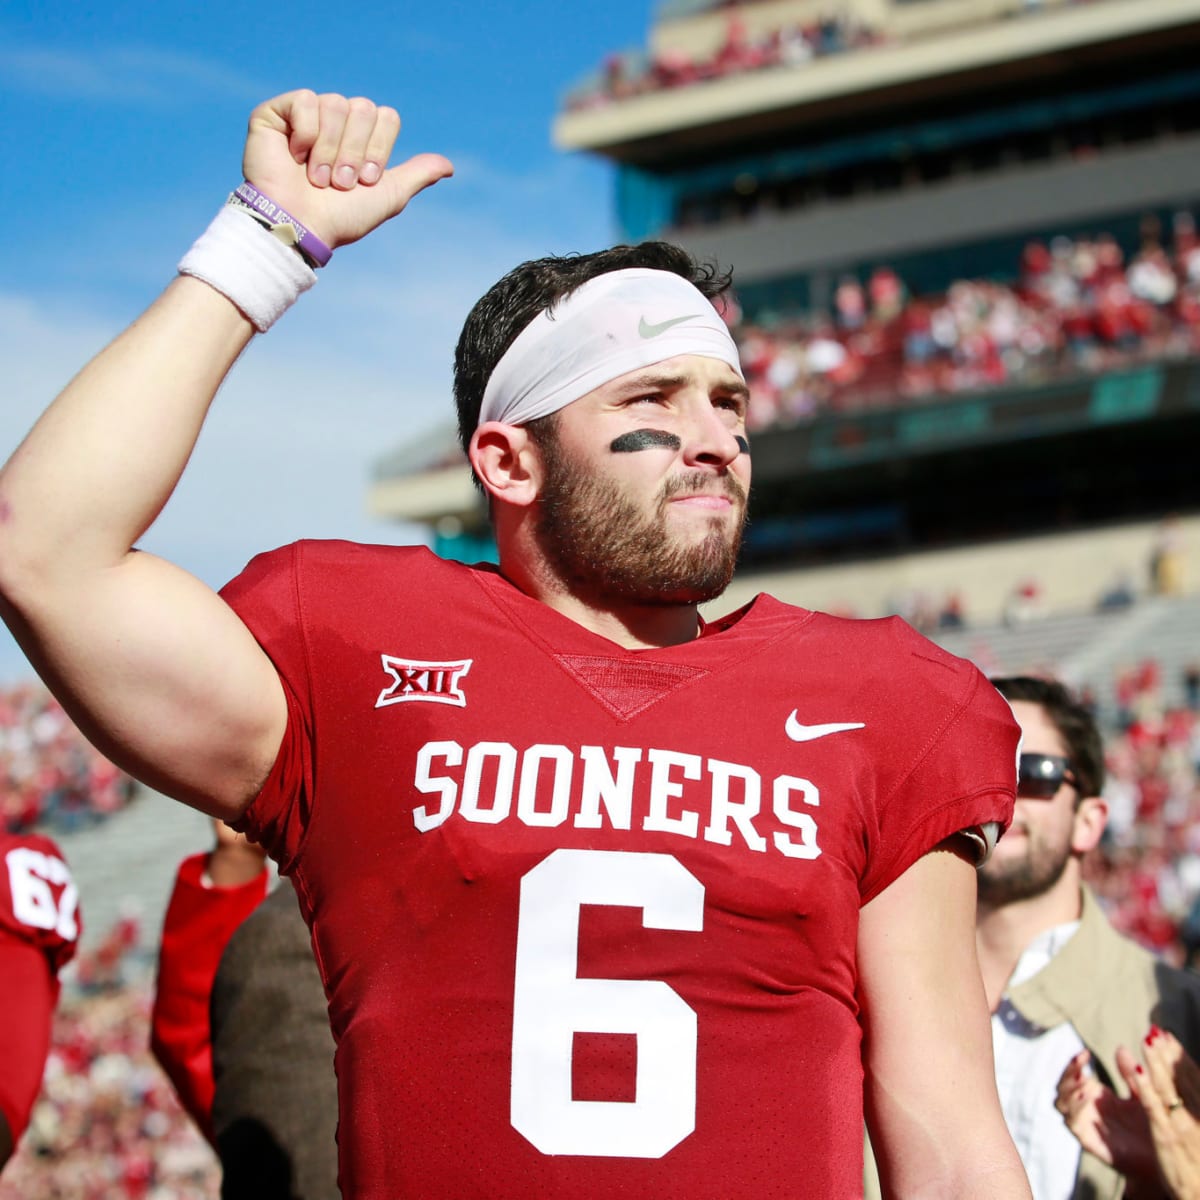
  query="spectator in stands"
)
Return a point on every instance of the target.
[
  {"x": 795, "y": 46},
  {"x": 1190, "y": 677},
  {"x": 39, "y": 929},
  {"x": 1151, "y": 276},
  {"x": 1024, "y": 602},
  {"x": 1062, "y": 984},
  {"x": 240, "y": 1026},
  {"x": 850, "y": 303},
  {"x": 887, "y": 294},
  {"x": 1119, "y": 594},
  {"x": 1186, "y": 247},
  {"x": 952, "y": 615},
  {"x": 1110, "y": 259},
  {"x": 1166, "y": 558}
]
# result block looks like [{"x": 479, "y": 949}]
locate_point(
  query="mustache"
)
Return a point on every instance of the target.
[{"x": 698, "y": 483}]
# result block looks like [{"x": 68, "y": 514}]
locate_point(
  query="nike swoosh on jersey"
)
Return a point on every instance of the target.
[
  {"x": 646, "y": 330},
  {"x": 809, "y": 733}
]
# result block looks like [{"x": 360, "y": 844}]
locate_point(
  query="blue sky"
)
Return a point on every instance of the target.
[{"x": 122, "y": 129}]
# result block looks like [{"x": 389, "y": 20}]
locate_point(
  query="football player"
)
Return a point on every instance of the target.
[{"x": 606, "y": 900}]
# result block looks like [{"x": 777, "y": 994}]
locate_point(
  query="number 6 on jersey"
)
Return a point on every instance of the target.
[{"x": 551, "y": 1004}]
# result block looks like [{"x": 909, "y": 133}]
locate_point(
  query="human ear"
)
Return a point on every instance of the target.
[
  {"x": 1091, "y": 816},
  {"x": 506, "y": 462}
]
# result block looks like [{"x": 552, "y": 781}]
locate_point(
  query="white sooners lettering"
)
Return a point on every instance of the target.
[{"x": 595, "y": 787}]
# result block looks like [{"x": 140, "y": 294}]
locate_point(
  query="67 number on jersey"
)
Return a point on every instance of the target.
[{"x": 43, "y": 894}]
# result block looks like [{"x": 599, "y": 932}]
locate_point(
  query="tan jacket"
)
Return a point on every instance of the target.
[{"x": 1110, "y": 990}]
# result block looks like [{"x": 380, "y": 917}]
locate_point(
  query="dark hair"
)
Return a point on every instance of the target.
[
  {"x": 509, "y": 305},
  {"x": 1075, "y": 724}
]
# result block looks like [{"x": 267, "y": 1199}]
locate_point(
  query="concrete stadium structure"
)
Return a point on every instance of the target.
[{"x": 946, "y": 137}]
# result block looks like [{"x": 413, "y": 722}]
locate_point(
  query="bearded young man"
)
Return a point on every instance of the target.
[
  {"x": 606, "y": 900},
  {"x": 1063, "y": 985}
]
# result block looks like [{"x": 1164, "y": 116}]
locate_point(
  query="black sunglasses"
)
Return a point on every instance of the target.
[{"x": 1039, "y": 776}]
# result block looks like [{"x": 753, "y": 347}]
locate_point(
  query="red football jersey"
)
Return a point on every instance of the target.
[
  {"x": 587, "y": 916},
  {"x": 39, "y": 928}
]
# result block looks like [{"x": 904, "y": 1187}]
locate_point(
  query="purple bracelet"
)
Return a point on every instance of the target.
[{"x": 264, "y": 206}]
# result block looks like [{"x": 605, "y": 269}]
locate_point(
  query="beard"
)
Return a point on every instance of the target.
[
  {"x": 601, "y": 543},
  {"x": 1033, "y": 873}
]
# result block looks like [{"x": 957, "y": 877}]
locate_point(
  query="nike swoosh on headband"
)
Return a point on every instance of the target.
[
  {"x": 809, "y": 733},
  {"x": 646, "y": 330}
]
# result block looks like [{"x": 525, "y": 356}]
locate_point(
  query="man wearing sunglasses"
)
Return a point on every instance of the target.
[{"x": 1059, "y": 978}]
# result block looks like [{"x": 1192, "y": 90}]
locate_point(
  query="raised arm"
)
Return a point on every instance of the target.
[
  {"x": 153, "y": 666},
  {"x": 930, "y": 1088}
]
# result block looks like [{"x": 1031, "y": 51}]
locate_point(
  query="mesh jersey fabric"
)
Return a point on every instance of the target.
[{"x": 586, "y": 917}]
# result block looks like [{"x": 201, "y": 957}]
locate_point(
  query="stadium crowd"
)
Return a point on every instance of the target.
[
  {"x": 49, "y": 774},
  {"x": 108, "y": 1122},
  {"x": 1147, "y": 870},
  {"x": 633, "y": 74},
  {"x": 1076, "y": 305},
  {"x": 794, "y": 44}
]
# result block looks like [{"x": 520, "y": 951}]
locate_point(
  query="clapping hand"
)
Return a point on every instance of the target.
[
  {"x": 1168, "y": 1089},
  {"x": 1112, "y": 1128},
  {"x": 1153, "y": 1136}
]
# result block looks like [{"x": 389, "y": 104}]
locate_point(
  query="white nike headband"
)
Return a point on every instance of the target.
[{"x": 612, "y": 324}]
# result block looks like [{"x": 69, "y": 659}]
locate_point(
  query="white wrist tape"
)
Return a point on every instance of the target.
[{"x": 244, "y": 262}]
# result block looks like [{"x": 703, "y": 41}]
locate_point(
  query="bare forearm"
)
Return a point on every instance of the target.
[
  {"x": 1003, "y": 1179},
  {"x": 104, "y": 458},
  {"x": 975, "y": 1161},
  {"x": 930, "y": 1089}
]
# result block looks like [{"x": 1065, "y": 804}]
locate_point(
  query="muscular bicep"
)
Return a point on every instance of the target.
[
  {"x": 163, "y": 678},
  {"x": 930, "y": 1091}
]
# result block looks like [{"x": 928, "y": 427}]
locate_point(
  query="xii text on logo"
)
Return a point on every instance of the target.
[{"x": 433, "y": 682}]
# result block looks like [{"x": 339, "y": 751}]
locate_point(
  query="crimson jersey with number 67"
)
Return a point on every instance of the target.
[
  {"x": 586, "y": 916},
  {"x": 39, "y": 928}
]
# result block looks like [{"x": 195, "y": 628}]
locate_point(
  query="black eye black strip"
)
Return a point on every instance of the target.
[{"x": 644, "y": 439}]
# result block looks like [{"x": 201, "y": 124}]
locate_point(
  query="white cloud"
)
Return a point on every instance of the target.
[{"x": 119, "y": 74}]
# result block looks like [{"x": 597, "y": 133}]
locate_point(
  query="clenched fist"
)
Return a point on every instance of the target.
[{"x": 324, "y": 159}]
